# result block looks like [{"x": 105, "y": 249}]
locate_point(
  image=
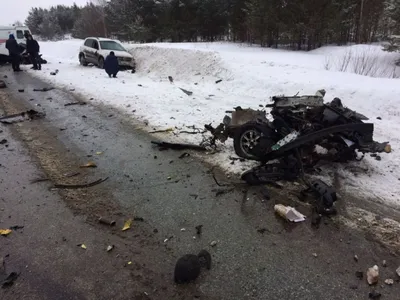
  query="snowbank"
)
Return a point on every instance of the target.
[
  {"x": 181, "y": 64},
  {"x": 251, "y": 75}
]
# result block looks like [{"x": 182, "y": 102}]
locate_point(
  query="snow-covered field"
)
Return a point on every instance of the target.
[{"x": 250, "y": 76}]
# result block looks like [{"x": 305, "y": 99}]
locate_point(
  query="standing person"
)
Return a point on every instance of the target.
[
  {"x": 13, "y": 50},
  {"x": 111, "y": 65},
  {"x": 32, "y": 47}
]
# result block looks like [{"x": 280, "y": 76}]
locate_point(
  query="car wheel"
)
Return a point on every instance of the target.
[
  {"x": 253, "y": 140},
  {"x": 82, "y": 60},
  {"x": 101, "y": 63}
]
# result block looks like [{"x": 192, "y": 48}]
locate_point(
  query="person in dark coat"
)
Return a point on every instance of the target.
[
  {"x": 32, "y": 47},
  {"x": 13, "y": 50},
  {"x": 111, "y": 65}
]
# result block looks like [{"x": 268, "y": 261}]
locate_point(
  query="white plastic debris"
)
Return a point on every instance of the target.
[
  {"x": 389, "y": 281},
  {"x": 213, "y": 243},
  {"x": 289, "y": 213},
  {"x": 373, "y": 275}
]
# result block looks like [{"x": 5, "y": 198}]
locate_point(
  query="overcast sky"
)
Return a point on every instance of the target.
[{"x": 17, "y": 10}]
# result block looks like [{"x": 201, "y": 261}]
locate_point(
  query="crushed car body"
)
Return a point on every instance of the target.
[
  {"x": 301, "y": 131},
  {"x": 289, "y": 138}
]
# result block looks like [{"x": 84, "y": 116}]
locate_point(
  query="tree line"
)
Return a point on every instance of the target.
[{"x": 294, "y": 24}]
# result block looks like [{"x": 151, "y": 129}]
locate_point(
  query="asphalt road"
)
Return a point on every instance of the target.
[{"x": 173, "y": 196}]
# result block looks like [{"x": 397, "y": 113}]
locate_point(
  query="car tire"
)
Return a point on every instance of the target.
[
  {"x": 100, "y": 63},
  {"x": 82, "y": 60},
  {"x": 248, "y": 136}
]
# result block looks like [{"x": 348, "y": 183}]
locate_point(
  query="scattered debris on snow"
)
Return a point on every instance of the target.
[
  {"x": 189, "y": 93},
  {"x": 176, "y": 146}
]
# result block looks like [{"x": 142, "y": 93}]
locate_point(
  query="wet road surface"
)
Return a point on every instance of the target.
[{"x": 173, "y": 196}]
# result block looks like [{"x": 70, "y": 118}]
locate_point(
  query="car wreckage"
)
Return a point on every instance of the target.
[{"x": 301, "y": 131}]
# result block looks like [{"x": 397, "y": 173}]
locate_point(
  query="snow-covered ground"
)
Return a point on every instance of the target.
[{"x": 250, "y": 76}]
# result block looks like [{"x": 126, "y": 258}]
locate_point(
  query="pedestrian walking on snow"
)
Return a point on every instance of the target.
[
  {"x": 111, "y": 65},
  {"x": 33, "y": 48},
  {"x": 13, "y": 50}
]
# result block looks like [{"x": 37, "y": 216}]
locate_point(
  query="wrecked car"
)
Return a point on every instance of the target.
[
  {"x": 297, "y": 125},
  {"x": 301, "y": 131}
]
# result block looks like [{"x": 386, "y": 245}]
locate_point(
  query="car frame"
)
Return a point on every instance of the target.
[{"x": 93, "y": 52}]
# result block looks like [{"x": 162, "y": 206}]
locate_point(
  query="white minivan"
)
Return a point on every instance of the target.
[{"x": 18, "y": 32}]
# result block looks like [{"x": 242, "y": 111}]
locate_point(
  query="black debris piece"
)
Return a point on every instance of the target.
[
  {"x": 9, "y": 281},
  {"x": 23, "y": 116},
  {"x": 43, "y": 89},
  {"x": 218, "y": 81},
  {"x": 262, "y": 230},
  {"x": 199, "y": 229},
  {"x": 75, "y": 103},
  {"x": 39, "y": 180},
  {"x": 106, "y": 221},
  {"x": 379, "y": 118},
  {"x": 175, "y": 146},
  {"x": 54, "y": 73},
  {"x": 138, "y": 219},
  {"x": 378, "y": 158},
  {"x": 374, "y": 295},
  {"x": 3, "y": 141},
  {"x": 189, "y": 93},
  {"x": 71, "y": 174},
  {"x": 359, "y": 274},
  {"x": 21, "y": 90},
  {"x": 160, "y": 131},
  {"x": 220, "y": 192},
  {"x": 16, "y": 227},
  {"x": 324, "y": 194},
  {"x": 170, "y": 79},
  {"x": 3, "y": 85},
  {"x": 79, "y": 186}
]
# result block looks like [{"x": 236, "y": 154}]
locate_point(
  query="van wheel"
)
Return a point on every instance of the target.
[
  {"x": 82, "y": 60},
  {"x": 101, "y": 63}
]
